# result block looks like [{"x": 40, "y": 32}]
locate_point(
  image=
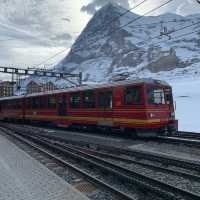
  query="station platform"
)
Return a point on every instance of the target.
[{"x": 24, "y": 178}]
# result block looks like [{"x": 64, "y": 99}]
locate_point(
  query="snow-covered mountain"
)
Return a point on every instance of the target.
[{"x": 104, "y": 50}]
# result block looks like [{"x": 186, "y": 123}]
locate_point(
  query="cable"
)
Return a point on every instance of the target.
[
  {"x": 111, "y": 21},
  {"x": 115, "y": 29},
  {"x": 176, "y": 30},
  {"x": 114, "y": 19},
  {"x": 146, "y": 13},
  {"x": 43, "y": 62},
  {"x": 178, "y": 36},
  {"x": 143, "y": 25},
  {"x": 130, "y": 22},
  {"x": 8, "y": 39}
]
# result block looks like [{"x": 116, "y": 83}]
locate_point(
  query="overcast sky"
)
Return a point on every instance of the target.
[{"x": 33, "y": 30}]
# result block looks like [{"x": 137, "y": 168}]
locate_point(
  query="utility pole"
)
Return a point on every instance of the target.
[
  {"x": 12, "y": 82},
  {"x": 80, "y": 78}
]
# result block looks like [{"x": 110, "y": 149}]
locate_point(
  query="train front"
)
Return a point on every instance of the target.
[{"x": 161, "y": 107}]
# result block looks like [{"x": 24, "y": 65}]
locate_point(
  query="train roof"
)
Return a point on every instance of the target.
[{"x": 95, "y": 86}]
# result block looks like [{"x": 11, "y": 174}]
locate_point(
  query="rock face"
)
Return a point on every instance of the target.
[{"x": 107, "y": 47}]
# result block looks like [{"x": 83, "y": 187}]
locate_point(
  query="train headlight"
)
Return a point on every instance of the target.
[{"x": 151, "y": 115}]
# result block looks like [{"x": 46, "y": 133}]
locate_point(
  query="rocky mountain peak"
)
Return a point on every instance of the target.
[{"x": 107, "y": 46}]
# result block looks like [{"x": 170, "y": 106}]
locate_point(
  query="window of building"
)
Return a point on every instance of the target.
[
  {"x": 75, "y": 100},
  {"x": 132, "y": 95},
  {"x": 105, "y": 99},
  {"x": 51, "y": 102},
  {"x": 156, "y": 96},
  {"x": 88, "y": 99}
]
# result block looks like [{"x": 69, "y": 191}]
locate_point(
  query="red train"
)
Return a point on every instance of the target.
[{"x": 141, "y": 107}]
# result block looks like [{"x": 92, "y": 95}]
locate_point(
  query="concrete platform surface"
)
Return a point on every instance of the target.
[{"x": 24, "y": 178}]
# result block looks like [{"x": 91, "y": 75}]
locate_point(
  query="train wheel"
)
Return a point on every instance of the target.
[{"x": 131, "y": 133}]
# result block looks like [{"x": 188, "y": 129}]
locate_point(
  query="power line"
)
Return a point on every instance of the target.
[
  {"x": 111, "y": 21},
  {"x": 5, "y": 40},
  {"x": 114, "y": 19},
  {"x": 178, "y": 36},
  {"x": 146, "y": 14},
  {"x": 171, "y": 32},
  {"x": 130, "y": 22},
  {"x": 46, "y": 60}
]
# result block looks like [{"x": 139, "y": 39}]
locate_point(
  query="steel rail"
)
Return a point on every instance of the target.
[
  {"x": 84, "y": 174},
  {"x": 144, "y": 181},
  {"x": 131, "y": 161},
  {"x": 165, "y": 159},
  {"x": 186, "y": 134},
  {"x": 179, "y": 140},
  {"x": 168, "y": 160}
]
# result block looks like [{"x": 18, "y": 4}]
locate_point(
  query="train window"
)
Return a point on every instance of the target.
[
  {"x": 105, "y": 99},
  {"x": 75, "y": 100},
  {"x": 43, "y": 102},
  {"x": 156, "y": 96},
  {"x": 51, "y": 102},
  {"x": 28, "y": 103},
  {"x": 6, "y": 104},
  {"x": 35, "y": 103},
  {"x": 16, "y": 104},
  {"x": 89, "y": 99},
  {"x": 168, "y": 96},
  {"x": 132, "y": 95}
]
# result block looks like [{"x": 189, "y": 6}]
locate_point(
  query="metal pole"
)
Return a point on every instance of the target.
[
  {"x": 80, "y": 78},
  {"x": 12, "y": 82}
]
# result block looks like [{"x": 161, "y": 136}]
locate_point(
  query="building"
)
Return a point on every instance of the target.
[
  {"x": 48, "y": 86},
  {"x": 35, "y": 87},
  {"x": 6, "y": 89}
]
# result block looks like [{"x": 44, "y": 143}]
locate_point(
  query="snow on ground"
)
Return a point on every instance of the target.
[{"x": 187, "y": 96}]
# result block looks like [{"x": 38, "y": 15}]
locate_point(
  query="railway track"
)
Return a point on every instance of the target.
[
  {"x": 98, "y": 160},
  {"x": 191, "y": 142},
  {"x": 92, "y": 179},
  {"x": 189, "y": 135}
]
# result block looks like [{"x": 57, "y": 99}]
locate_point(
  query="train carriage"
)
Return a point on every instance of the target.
[{"x": 143, "y": 107}]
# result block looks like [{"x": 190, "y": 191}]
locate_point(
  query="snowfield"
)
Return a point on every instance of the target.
[{"x": 186, "y": 93}]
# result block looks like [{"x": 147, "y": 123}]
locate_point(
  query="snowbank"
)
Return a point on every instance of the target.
[{"x": 187, "y": 96}]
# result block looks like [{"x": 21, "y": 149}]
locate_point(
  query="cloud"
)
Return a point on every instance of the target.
[
  {"x": 37, "y": 29},
  {"x": 93, "y": 6}
]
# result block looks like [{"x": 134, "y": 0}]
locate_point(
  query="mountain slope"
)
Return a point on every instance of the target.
[{"x": 101, "y": 54}]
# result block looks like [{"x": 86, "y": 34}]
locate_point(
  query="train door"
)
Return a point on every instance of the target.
[
  {"x": 105, "y": 101},
  {"x": 62, "y": 105}
]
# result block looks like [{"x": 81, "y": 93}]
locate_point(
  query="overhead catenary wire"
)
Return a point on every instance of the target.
[
  {"x": 109, "y": 22},
  {"x": 171, "y": 32},
  {"x": 5, "y": 40},
  {"x": 141, "y": 16},
  {"x": 114, "y": 19},
  {"x": 136, "y": 19},
  {"x": 130, "y": 22},
  {"x": 177, "y": 37},
  {"x": 46, "y": 60}
]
